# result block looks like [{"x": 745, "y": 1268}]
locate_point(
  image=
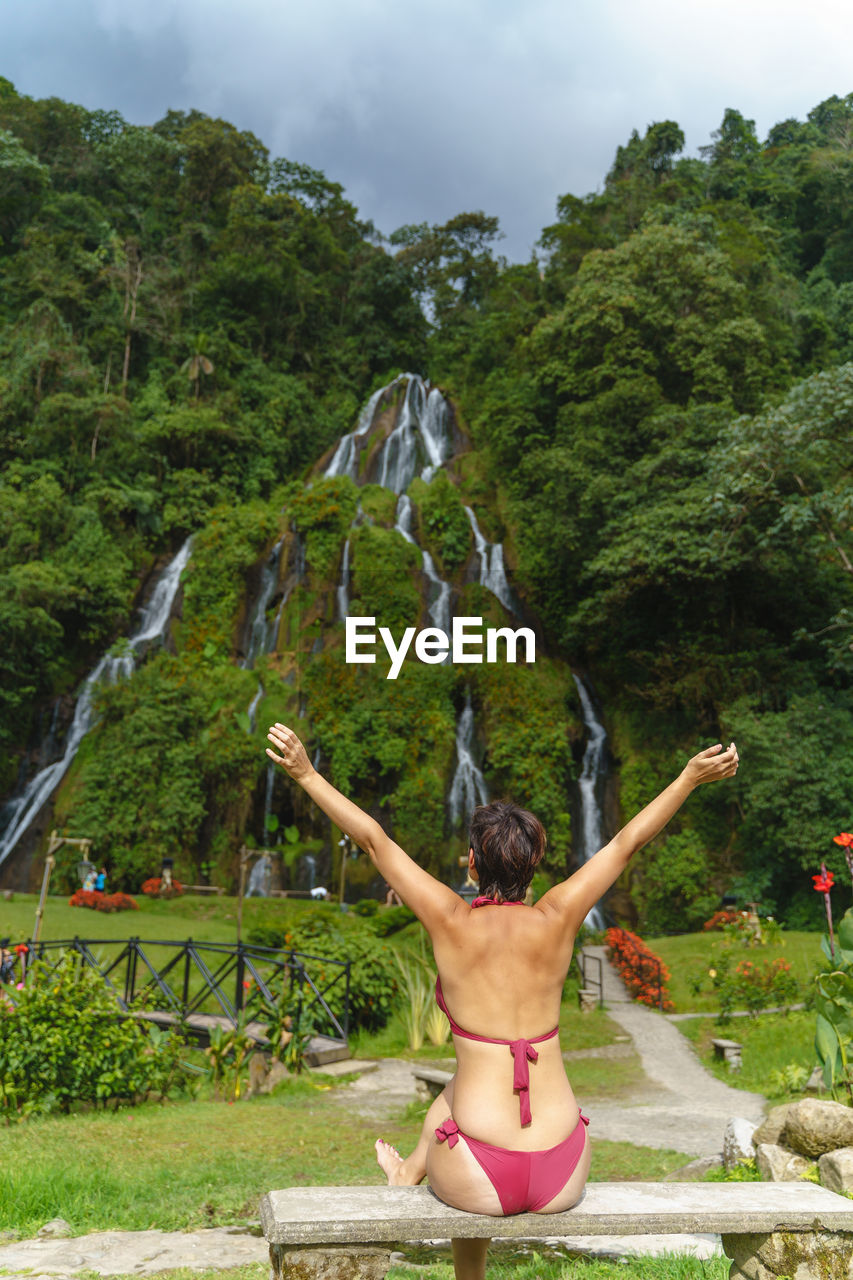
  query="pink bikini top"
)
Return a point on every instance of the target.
[{"x": 522, "y": 1050}]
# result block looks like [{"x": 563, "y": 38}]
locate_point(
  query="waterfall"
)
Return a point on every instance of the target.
[
  {"x": 421, "y": 435},
  {"x": 590, "y": 784},
  {"x": 398, "y": 457},
  {"x": 342, "y": 593},
  {"x": 492, "y": 572},
  {"x": 439, "y": 609},
  {"x": 261, "y": 635},
  {"x": 434, "y": 433},
  {"x": 22, "y": 809},
  {"x": 253, "y": 706},
  {"x": 403, "y": 518},
  {"x": 468, "y": 788},
  {"x": 260, "y": 878}
]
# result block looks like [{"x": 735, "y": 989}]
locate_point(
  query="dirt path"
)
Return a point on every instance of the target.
[{"x": 683, "y": 1107}]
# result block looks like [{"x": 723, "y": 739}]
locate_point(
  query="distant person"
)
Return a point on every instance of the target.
[
  {"x": 7, "y": 962},
  {"x": 392, "y": 897},
  {"x": 101, "y": 880},
  {"x": 89, "y": 882},
  {"x": 506, "y": 1135}
]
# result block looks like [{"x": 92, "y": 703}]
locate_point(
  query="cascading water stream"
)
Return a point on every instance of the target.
[
  {"x": 21, "y": 810},
  {"x": 260, "y": 639},
  {"x": 260, "y": 878},
  {"x": 439, "y": 608},
  {"x": 468, "y": 788},
  {"x": 590, "y": 838},
  {"x": 492, "y": 572},
  {"x": 342, "y": 593}
]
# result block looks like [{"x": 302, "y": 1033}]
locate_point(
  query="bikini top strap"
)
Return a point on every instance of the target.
[
  {"x": 522, "y": 1052},
  {"x": 495, "y": 902},
  {"x": 471, "y": 1035}
]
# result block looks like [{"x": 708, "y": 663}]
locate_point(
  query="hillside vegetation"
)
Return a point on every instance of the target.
[{"x": 654, "y": 418}]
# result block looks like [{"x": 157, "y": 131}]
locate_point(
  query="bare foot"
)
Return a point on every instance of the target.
[{"x": 392, "y": 1164}]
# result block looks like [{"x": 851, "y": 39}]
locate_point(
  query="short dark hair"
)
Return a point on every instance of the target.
[{"x": 508, "y": 844}]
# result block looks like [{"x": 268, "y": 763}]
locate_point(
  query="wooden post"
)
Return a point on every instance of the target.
[
  {"x": 244, "y": 862},
  {"x": 56, "y": 842},
  {"x": 343, "y": 845}
]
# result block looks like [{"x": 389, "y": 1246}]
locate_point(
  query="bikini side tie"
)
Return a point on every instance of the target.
[
  {"x": 448, "y": 1132},
  {"x": 523, "y": 1053}
]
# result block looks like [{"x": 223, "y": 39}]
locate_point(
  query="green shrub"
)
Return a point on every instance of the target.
[
  {"x": 373, "y": 975},
  {"x": 66, "y": 1041},
  {"x": 392, "y": 920},
  {"x": 445, "y": 530},
  {"x": 323, "y": 514}
]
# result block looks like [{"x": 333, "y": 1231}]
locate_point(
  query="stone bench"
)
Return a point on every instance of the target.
[
  {"x": 730, "y": 1051},
  {"x": 429, "y": 1081},
  {"x": 769, "y": 1230}
]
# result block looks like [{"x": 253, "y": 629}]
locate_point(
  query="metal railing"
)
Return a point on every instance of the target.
[
  {"x": 587, "y": 981},
  {"x": 200, "y": 977}
]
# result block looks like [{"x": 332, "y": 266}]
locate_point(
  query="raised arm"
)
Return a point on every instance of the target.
[
  {"x": 431, "y": 901},
  {"x": 576, "y": 897}
]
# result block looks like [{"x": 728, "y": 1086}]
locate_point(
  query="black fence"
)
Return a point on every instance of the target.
[{"x": 186, "y": 978}]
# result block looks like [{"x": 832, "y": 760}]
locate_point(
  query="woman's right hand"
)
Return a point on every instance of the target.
[
  {"x": 293, "y": 758},
  {"x": 712, "y": 764}
]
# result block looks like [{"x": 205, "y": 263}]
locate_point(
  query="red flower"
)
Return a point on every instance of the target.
[
  {"x": 845, "y": 839},
  {"x": 823, "y": 883},
  {"x": 21, "y": 949}
]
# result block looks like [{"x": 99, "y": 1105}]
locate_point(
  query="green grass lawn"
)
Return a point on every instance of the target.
[
  {"x": 770, "y": 1042},
  {"x": 203, "y": 1163},
  {"x": 206, "y": 919},
  {"x": 690, "y": 956}
]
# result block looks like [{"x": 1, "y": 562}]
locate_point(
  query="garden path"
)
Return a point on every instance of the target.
[{"x": 683, "y": 1107}]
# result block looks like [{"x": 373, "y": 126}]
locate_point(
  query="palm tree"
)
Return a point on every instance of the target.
[{"x": 198, "y": 363}]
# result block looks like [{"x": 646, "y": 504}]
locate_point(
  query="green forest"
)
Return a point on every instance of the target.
[{"x": 653, "y": 417}]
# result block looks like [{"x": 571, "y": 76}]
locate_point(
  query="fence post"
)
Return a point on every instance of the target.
[
  {"x": 346, "y": 1002},
  {"x": 241, "y": 969},
  {"x": 186, "y": 990}
]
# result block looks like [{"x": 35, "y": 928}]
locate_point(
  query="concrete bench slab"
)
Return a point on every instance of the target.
[{"x": 769, "y": 1230}]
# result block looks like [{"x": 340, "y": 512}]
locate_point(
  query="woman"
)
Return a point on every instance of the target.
[{"x": 506, "y": 1134}]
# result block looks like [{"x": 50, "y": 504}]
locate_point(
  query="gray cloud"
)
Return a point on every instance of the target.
[{"x": 425, "y": 109}]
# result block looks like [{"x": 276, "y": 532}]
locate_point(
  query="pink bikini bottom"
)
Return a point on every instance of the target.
[{"x": 524, "y": 1180}]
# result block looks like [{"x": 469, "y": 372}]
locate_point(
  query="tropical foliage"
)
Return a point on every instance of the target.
[{"x": 653, "y": 416}]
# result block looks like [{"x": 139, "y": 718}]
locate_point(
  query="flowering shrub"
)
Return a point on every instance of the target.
[
  {"x": 103, "y": 901},
  {"x": 644, "y": 974},
  {"x": 752, "y": 985},
  {"x": 720, "y": 919},
  {"x": 153, "y": 888}
]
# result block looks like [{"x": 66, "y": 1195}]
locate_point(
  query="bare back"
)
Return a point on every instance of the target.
[{"x": 502, "y": 970}]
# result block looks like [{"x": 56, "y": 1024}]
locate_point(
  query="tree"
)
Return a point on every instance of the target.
[{"x": 198, "y": 363}]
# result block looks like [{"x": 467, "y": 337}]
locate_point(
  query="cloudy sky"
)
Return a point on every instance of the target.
[{"x": 425, "y": 108}]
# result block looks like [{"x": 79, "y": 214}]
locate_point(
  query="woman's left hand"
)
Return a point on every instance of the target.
[{"x": 293, "y": 758}]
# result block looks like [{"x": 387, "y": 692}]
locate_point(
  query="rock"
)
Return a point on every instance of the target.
[
  {"x": 277, "y": 1072},
  {"x": 816, "y": 1083},
  {"x": 695, "y": 1171},
  {"x": 836, "y": 1170},
  {"x": 257, "y": 1073},
  {"x": 814, "y": 1127},
  {"x": 777, "y": 1164},
  {"x": 772, "y": 1127},
  {"x": 56, "y": 1229},
  {"x": 737, "y": 1141}
]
